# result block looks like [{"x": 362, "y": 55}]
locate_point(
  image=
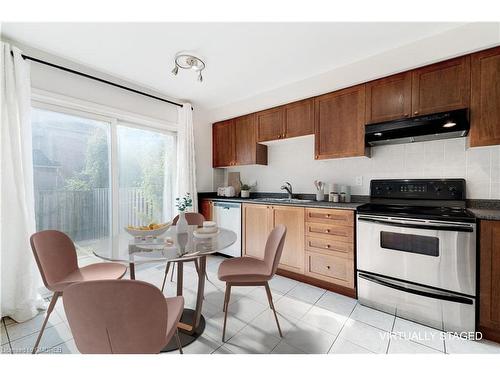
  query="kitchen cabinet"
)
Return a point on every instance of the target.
[
  {"x": 340, "y": 123},
  {"x": 485, "y": 98},
  {"x": 489, "y": 279},
  {"x": 441, "y": 87},
  {"x": 329, "y": 253},
  {"x": 299, "y": 118},
  {"x": 234, "y": 143},
  {"x": 271, "y": 124},
  {"x": 256, "y": 224},
  {"x": 259, "y": 220},
  {"x": 292, "y": 258},
  {"x": 205, "y": 208},
  {"x": 388, "y": 98},
  {"x": 223, "y": 144}
]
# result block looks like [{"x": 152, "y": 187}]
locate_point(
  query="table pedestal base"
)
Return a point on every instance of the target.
[{"x": 186, "y": 339}]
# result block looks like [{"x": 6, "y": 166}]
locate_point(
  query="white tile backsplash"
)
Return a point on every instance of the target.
[{"x": 292, "y": 160}]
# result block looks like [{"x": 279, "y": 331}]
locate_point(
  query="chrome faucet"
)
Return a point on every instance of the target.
[{"x": 288, "y": 187}]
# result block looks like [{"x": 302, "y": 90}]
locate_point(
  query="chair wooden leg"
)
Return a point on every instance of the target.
[
  {"x": 226, "y": 305},
  {"x": 49, "y": 311},
  {"x": 196, "y": 266},
  {"x": 167, "y": 268},
  {"x": 178, "y": 339},
  {"x": 271, "y": 304},
  {"x": 172, "y": 275}
]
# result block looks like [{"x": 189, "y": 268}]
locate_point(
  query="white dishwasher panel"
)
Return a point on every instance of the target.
[{"x": 227, "y": 215}]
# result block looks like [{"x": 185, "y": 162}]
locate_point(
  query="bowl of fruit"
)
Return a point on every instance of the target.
[{"x": 151, "y": 230}]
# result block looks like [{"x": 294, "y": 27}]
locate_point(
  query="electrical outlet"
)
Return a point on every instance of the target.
[{"x": 359, "y": 181}]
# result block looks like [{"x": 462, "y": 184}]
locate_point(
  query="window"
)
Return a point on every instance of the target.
[{"x": 76, "y": 182}]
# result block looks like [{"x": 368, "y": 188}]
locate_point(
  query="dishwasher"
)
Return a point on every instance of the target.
[{"x": 227, "y": 215}]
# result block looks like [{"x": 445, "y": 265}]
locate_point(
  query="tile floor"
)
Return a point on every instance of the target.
[{"x": 313, "y": 320}]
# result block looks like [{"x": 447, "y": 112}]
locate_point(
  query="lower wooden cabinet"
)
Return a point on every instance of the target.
[
  {"x": 205, "y": 208},
  {"x": 489, "y": 279},
  {"x": 319, "y": 243}
]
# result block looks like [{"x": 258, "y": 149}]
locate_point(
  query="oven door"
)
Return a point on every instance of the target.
[{"x": 433, "y": 253}]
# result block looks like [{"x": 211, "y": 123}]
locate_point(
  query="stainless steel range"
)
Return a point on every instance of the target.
[{"x": 416, "y": 252}]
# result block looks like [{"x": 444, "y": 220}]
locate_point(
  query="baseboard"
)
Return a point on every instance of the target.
[{"x": 319, "y": 283}]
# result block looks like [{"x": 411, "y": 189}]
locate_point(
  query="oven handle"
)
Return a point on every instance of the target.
[
  {"x": 445, "y": 227},
  {"x": 444, "y": 297}
]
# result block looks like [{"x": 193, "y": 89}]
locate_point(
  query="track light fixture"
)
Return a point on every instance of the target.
[{"x": 186, "y": 61}]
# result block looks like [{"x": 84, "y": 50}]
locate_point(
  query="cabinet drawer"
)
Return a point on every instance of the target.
[
  {"x": 328, "y": 246},
  {"x": 330, "y": 216},
  {"x": 330, "y": 232},
  {"x": 335, "y": 269}
]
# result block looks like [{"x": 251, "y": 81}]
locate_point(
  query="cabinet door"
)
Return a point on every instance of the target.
[
  {"x": 256, "y": 224},
  {"x": 441, "y": 87},
  {"x": 223, "y": 144},
  {"x": 206, "y": 209},
  {"x": 339, "y": 124},
  {"x": 270, "y": 124},
  {"x": 489, "y": 293},
  {"x": 292, "y": 258},
  {"x": 485, "y": 98},
  {"x": 388, "y": 98},
  {"x": 245, "y": 140},
  {"x": 299, "y": 118}
]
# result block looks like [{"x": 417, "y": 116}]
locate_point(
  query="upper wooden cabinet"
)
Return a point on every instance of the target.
[
  {"x": 388, "y": 98},
  {"x": 340, "y": 123},
  {"x": 223, "y": 143},
  {"x": 291, "y": 120},
  {"x": 441, "y": 87},
  {"x": 270, "y": 124},
  {"x": 299, "y": 118},
  {"x": 489, "y": 280},
  {"x": 234, "y": 143},
  {"x": 485, "y": 98}
]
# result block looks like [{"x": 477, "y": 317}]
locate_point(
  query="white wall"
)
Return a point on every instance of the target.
[{"x": 293, "y": 159}]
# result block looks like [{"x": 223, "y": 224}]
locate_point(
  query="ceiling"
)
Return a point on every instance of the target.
[{"x": 243, "y": 59}]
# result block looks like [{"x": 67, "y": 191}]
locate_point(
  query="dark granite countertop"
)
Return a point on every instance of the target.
[
  {"x": 484, "y": 209},
  {"x": 356, "y": 200}
]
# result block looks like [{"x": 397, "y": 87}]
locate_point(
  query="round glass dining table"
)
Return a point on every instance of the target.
[{"x": 170, "y": 247}]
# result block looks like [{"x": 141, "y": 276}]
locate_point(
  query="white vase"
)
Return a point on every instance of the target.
[{"x": 182, "y": 224}]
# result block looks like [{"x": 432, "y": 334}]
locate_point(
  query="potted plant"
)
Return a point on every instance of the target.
[
  {"x": 182, "y": 204},
  {"x": 245, "y": 190}
]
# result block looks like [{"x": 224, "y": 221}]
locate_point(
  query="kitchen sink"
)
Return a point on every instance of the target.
[{"x": 284, "y": 200}]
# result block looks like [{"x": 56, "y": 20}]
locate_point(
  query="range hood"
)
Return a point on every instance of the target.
[{"x": 452, "y": 124}]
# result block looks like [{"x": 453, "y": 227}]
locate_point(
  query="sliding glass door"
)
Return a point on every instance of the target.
[{"x": 93, "y": 176}]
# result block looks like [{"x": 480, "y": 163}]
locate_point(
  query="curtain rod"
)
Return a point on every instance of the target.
[{"x": 26, "y": 57}]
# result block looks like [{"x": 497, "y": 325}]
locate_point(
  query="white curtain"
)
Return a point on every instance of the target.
[
  {"x": 186, "y": 168},
  {"x": 20, "y": 280}
]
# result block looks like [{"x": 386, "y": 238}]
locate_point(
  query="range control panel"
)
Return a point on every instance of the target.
[{"x": 439, "y": 189}]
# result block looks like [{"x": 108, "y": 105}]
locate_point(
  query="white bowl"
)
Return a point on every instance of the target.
[{"x": 148, "y": 232}]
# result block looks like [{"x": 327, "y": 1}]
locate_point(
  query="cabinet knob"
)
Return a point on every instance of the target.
[
  {"x": 279, "y": 135},
  {"x": 328, "y": 267},
  {"x": 315, "y": 156},
  {"x": 406, "y": 115},
  {"x": 327, "y": 231},
  {"x": 328, "y": 216},
  {"x": 327, "y": 246},
  {"x": 415, "y": 113}
]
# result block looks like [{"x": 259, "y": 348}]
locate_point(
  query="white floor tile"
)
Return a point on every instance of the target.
[
  {"x": 3, "y": 335},
  {"x": 213, "y": 326},
  {"x": 259, "y": 294},
  {"x": 398, "y": 345},
  {"x": 245, "y": 309},
  {"x": 456, "y": 345},
  {"x": 337, "y": 303},
  {"x": 251, "y": 340},
  {"x": 325, "y": 319},
  {"x": 309, "y": 339},
  {"x": 203, "y": 345},
  {"x": 282, "y": 284},
  {"x": 223, "y": 350},
  {"x": 371, "y": 338},
  {"x": 51, "y": 337},
  {"x": 373, "y": 317},
  {"x": 19, "y": 330},
  {"x": 343, "y": 346},
  {"x": 68, "y": 347},
  {"x": 421, "y": 334},
  {"x": 284, "y": 348},
  {"x": 267, "y": 323},
  {"x": 306, "y": 293},
  {"x": 292, "y": 307}
]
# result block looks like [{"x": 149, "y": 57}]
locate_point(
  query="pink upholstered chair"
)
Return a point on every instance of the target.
[
  {"x": 121, "y": 316},
  {"x": 248, "y": 271},
  {"x": 192, "y": 218},
  {"x": 55, "y": 255}
]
